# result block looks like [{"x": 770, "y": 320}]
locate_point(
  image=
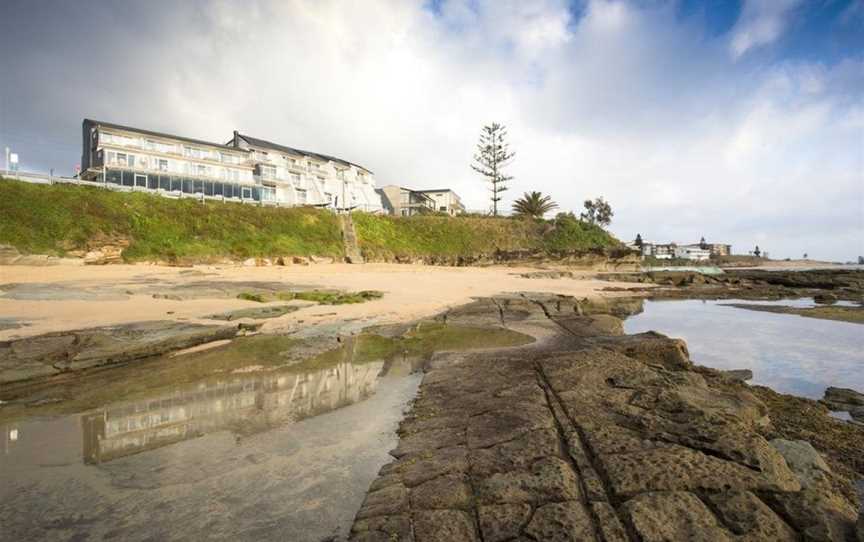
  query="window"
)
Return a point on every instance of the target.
[
  {"x": 199, "y": 187},
  {"x": 112, "y": 176},
  {"x": 153, "y": 182},
  {"x": 201, "y": 170},
  {"x": 268, "y": 194},
  {"x": 268, "y": 172},
  {"x": 301, "y": 195},
  {"x": 128, "y": 178},
  {"x": 217, "y": 189},
  {"x": 164, "y": 182},
  {"x": 246, "y": 192},
  {"x": 176, "y": 184},
  {"x": 163, "y": 165},
  {"x": 208, "y": 188},
  {"x": 295, "y": 178},
  {"x": 187, "y": 186},
  {"x": 122, "y": 158}
]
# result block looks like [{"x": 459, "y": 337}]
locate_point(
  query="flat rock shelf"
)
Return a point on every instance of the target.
[{"x": 590, "y": 434}]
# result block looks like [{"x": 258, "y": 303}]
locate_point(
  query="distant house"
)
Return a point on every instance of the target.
[
  {"x": 445, "y": 201},
  {"x": 719, "y": 249},
  {"x": 401, "y": 201},
  {"x": 692, "y": 252}
]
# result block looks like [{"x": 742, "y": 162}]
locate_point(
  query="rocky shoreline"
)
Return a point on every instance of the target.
[
  {"x": 824, "y": 285},
  {"x": 587, "y": 434},
  {"x": 594, "y": 435}
]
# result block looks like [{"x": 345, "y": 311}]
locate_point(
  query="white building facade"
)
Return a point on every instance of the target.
[{"x": 245, "y": 169}]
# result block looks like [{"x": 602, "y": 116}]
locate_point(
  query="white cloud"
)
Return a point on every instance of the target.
[
  {"x": 626, "y": 102},
  {"x": 760, "y": 23}
]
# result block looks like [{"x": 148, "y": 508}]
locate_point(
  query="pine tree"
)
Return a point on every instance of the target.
[
  {"x": 638, "y": 241},
  {"x": 493, "y": 154}
]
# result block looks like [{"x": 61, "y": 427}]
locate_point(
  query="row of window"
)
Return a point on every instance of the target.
[
  {"x": 162, "y": 164},
  {"x": 171, "y": 183},
  {"x": 168, "y": 148}
]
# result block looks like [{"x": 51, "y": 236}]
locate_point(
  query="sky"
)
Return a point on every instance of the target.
[{"x": 741, "y": 121}]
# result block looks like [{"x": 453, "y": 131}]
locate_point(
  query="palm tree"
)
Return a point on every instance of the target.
[{"x": 533, "y": 205}]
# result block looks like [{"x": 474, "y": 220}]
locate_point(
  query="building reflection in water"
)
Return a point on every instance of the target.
[{"x": 245, "y": 404}]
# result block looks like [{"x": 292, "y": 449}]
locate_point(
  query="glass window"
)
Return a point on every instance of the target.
[
  {"x": 201, "y": 170},
  {"x": 176, "y": 184},
  {"x": 128, "y": 178},
  {"x": 217, "y": 189},
  {"x": 301, "y": 196},
  {"x": 187, "y": 186},
  {"x": 152, "y": 182},
  {"x": 164, "y": 182},
  {"x": 141, "y": 181},
  {"x": 246, "y": 192},
  {"x": 113, "y": 176},
  {"x": 208, "y": 188},
  {"x": 256, "y": 193},
  {"x": 199, "y": 187},
  {"x": 163, "y": 165}
]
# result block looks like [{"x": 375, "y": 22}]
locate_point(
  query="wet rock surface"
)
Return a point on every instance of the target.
[
  {"x": 593, "y": 435},
  {"x": 54, "y": 353},
  {"x": 828, "y": 285}
]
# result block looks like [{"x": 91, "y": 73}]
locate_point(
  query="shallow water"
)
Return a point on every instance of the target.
[
  {"x": 240, "y": 442},
  {"x": 789, "y": 353}
]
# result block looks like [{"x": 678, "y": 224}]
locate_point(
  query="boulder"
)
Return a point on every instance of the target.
[
  {"x": 803, "y": 459},
  {"x": 825, "y": 299},
  {"x": 249, "y": 262},
  {"x": 320, "y": 259},
  {"x": 843, "y": 398},
  {"x": 300, "y": 260},
  {"x": 741, "y": 375}
]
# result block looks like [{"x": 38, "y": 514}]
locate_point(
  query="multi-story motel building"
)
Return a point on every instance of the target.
[{"x": 245, "y": 169}]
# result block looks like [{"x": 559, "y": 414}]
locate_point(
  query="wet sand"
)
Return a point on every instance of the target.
[{"x": 60, "y": 298}]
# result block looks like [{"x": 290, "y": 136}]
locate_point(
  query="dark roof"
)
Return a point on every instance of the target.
[
  {"x": 158, "y": 134},
  {"x": 436, "y": 190},
  {"x": 255, "y": 142}
]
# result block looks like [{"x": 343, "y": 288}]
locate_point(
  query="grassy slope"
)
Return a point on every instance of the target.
[
  {"x": 385, "y": 236},
  {"x": 54, "y": 219},
  {"x": 39, "y": 219}
]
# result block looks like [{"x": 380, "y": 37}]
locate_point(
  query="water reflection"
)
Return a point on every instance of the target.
[
  {"x": 247, "y": 404},
  {"x": 788, "y": 353},
  {"x": 312, "y": 434}
]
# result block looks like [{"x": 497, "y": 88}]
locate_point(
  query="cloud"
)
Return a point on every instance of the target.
[
  {"x": 623, "y": 100},
  {"x": 761, "y": 22}
]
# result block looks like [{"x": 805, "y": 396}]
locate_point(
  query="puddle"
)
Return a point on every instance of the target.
[
  {"x": 799, "y": 356},
  {"x": 255, "y": 440}
]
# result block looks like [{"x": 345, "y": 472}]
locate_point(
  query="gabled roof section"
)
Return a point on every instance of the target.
[
  {"x": 92, "y": 122},
  {"x": 255, "y": 142}
]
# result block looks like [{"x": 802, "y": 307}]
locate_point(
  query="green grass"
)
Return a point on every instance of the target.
[
  {"x": 385, "y": 237},
  {"x": 58, "y": 219},
  {"x": 39, "y": 219},
  {"x": 322, "y": 297}
]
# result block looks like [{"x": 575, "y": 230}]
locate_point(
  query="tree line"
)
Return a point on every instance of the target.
[{"x": 494, "y": 155}]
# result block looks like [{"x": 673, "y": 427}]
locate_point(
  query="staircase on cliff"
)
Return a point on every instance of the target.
[{"x": 349, "y": 239}]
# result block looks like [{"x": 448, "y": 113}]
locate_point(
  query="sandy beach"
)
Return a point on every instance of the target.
[{"x": 56, "y": 298}]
